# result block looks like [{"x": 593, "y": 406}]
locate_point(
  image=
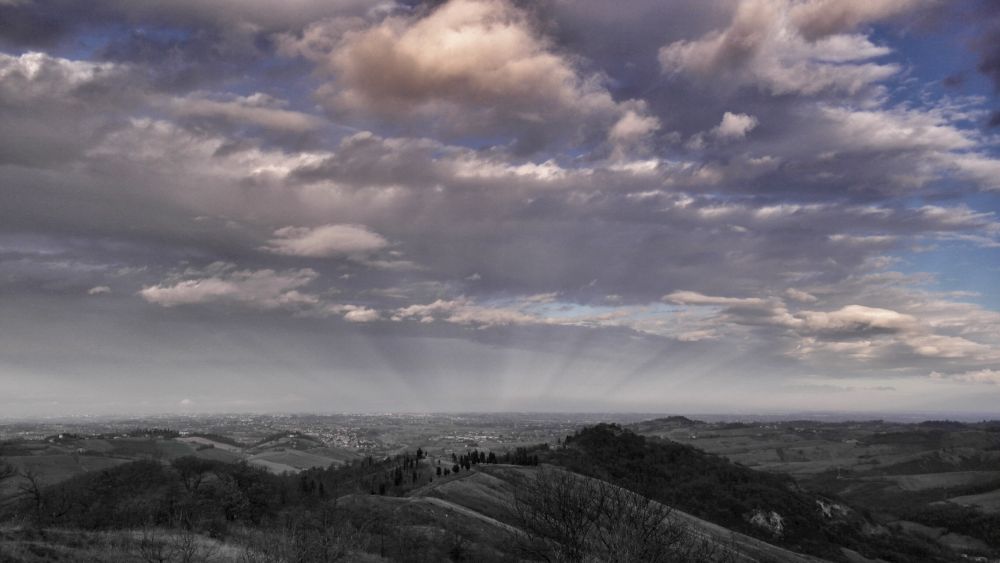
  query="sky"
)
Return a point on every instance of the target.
[{"x": 499, "y": 205}]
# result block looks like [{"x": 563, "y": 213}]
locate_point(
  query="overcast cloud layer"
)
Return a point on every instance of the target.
[{"x": 683, "y": 206}]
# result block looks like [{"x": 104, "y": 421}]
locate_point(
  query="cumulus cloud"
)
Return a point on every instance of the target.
[
  {"x": 260, "y": 289},
  {"x": 34, "y": 76},
  {"x": 99, "y": 290},
  {"x": 473, "y": 65},
  {"x": 735, "y": 125},
  {"x": 785, "y": 47},
  {"x": 351, "y": 313},
  {"x": 52, "y": 108},
  {"x": 326, "y": 241},
  {"x": 361, "y": 315}
]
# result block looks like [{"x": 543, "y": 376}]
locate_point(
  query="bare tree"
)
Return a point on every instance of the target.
[
  {"x": 7, "y": 471},
  {"x": 153, "y": 546},
  {"x": 325, "y": 536},
  {"x": 185, "y": 546},
  {"x": 48, "y": 504},
  {"x": 31, "y": 487},
  {"x": 568, "y": 518}
]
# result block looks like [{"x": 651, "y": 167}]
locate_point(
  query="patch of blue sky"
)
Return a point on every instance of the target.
[
  {"x": 940, "y": 69},
  {"x": 957, "y": 266},
  {"x": 562, "y": 310}
]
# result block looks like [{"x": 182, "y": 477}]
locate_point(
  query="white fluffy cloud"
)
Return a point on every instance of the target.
[
  {"x": 361, "y": 315},
  {"x": 735, "y": 125},
  {"x": 33, "y": 77},
  {"x": 265, "y": 290},
  {"x": 350, "y": 313},
  {"x": 260, "y": 289},
  {"x": 473, "y": 65},
  {"x": 326, "y": 241}
]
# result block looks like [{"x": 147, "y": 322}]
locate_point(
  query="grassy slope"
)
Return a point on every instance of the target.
[{"x": 488, "y": 492}]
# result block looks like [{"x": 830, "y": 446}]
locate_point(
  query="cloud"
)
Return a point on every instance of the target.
[
  {"x": 350, "y": 313},
  {"x": 52, "y": 109},
  {"x": 45, "y": 22},
  {"x": 259, "y": 289},
  {"x": 473, "y": 66},
  {"x": 30, "y": 77},
  {"x": 857, "y": 319},
  {"x": 860, "y": 332},
  {"x": 257, "y": 109},
  {"x": 801, "y": 296},
  {"x": 786, "y": 48},
  {"x": 361, "y": 315},
  {"x": 465, "y": 312},
  {"x": 695, "y": 298},
  {"x": 821, "y": 18},
  {"x": 99, "y": 290},
  {"x": 880, "y": 130},
  {"x": 632, "y": 131},
  {"x": 983, "y": 376},
  {"x": 326, "y": 241},
  {"x": 735, "y": 126}
]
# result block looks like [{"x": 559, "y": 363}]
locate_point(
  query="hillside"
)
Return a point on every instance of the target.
[
  {"x": 938, "y": 480},
  {"x": 469, "y": 516},
  {"x": 487, "y": 494},
  {"x": 768, "y": 506}
]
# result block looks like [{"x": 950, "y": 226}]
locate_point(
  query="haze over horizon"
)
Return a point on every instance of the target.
[{"x": 496, "y": 205}]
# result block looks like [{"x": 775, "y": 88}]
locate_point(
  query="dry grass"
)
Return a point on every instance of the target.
[{"x": 26, "y": 545}]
